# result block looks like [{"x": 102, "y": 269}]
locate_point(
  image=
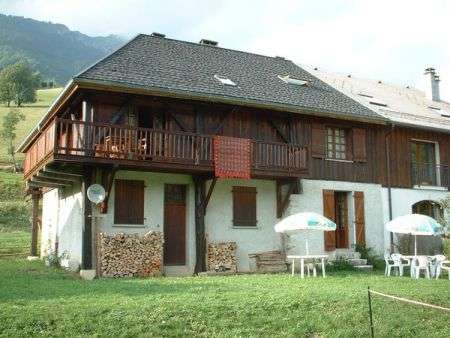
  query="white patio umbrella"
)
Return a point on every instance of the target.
[
  {"x": 415, "y": 224},
  {"x": 304, "y": 221}
]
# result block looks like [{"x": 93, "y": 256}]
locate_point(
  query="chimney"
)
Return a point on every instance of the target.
[
  {"x": 208, "y": 42},
  {"x": 432, "y": 89}
]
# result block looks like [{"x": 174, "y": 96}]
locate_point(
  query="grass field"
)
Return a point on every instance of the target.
[
  {"x": 40, "y": 301},
  {"x": 33, "y": 112},
  {"x": 14, "y": 216}
]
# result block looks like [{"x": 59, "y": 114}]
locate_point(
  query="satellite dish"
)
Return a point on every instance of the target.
[{"x": 96, "y": 193}]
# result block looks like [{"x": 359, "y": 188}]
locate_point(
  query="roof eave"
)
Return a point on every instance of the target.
[{"x": 165, "y": 92}]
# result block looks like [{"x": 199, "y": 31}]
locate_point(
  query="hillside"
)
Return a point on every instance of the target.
[
  {"x": 52, "y": 49},
  {"x": 33, "y": 112}
]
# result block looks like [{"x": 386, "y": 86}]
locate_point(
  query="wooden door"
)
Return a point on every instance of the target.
[
  {"x": 359, "y": 218},
  {"x": 175, "y": 224},
  {"x": 341, "y": 210},
  {"x": 329, "y": 212}
]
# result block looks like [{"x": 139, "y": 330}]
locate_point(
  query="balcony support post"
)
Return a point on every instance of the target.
[
  {"x": 86, "y": 245},
  {"x": 35, "y": 196},
  {"x": 200, "y": 236}
]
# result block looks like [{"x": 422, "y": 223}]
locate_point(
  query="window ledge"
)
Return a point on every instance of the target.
[
  {"x": 337, "y": 160},
  {"x": 430, "y": 187},
  {"x": 245, "y": 227},
  {"x": 129, "y": 226}
]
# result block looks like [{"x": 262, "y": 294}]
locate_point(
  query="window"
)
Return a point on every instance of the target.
[
  {"x": 423, "y": 160},
  {"x": 294, "y": 81},
  {"x": 336, "y": 143},
  {"x": 128, "y": 202},
  {"x": 428, "y": 208},
  {"x": 224, "y": 80},
  {"x": 244, "y": 206}
]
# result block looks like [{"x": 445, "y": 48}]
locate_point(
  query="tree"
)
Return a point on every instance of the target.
[
  {"x": 18, "y": 83},
  {"x": 8, "y": 132}
]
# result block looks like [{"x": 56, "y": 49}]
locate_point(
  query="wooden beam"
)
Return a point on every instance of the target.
[
  {"x": 177, "y": 121},
  {"x": 279, "y": 131},
  {"x": 107, "y": 181},
  {"x": 59, "y": 172},
  {"x": 222, "y": 120},
  {"x": 208, "y": 195},
  {"x": 41, "y": 183},
  {"x": 59, "y": 177},
  {"x": 200, "y": 236},
  {"x": 283, "y": 201}
]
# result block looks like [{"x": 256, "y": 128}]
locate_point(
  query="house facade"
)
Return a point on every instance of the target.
[{"x": 209, "y": 145}]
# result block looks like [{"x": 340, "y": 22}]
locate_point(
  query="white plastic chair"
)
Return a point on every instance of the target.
[
  {"x": 421, "y": 264},
  {"x": 400, "y": 262},
  {"x": 390, "y": 264},
  {"x": 442, "y": 264}
]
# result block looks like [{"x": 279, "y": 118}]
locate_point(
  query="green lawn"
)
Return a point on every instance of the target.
[
  {"x": 33, "y": 112},
  {"x": 44, "y": 301}
]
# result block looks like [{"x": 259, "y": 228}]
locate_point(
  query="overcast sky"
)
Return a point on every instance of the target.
[{"x": 389, "y": 40}]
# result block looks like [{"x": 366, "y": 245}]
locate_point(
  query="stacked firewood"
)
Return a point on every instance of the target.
[
  {"x": 123, "y": 255},
  {"x": 222, "y": 257},
  {"x": 269, "y": 261}
]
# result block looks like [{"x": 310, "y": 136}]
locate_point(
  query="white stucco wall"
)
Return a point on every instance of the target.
[
  {"x": 62, "y": 212},
  {"x": 50, "y": 207},
  {"x": 312, "y": 200},
  {"x": 154, "y": 211},
  {"x": 219, "y": 220},
  {"x": 403, "y": 201}
]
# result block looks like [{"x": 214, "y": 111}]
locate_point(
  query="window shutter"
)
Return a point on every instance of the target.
[
  {"x": 359, "y": 217},
  {"x": 244, "y": 206},
  {"x": 318, "y": 139},
  {"x": 129, "y": 202},
  {"x": 359, "y": 145},
  {"x": 329, "y": 212}
]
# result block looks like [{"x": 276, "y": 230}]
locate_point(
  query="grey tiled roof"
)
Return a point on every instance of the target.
[{"x": 159, "y": 63}]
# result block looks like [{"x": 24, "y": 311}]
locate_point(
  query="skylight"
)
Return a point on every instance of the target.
[
  {"x": 380, "y": 104},
  {"x": 445, "y": 113},
  {"x": 365, "y": 95},
  {"x": 224, "y": 80},
  {"x": 294, "y": 81}
]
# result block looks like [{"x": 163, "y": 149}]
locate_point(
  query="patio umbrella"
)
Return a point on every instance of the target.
[
  {"x": 304, "y": 221},
  {"x": 415, "y": 224}
]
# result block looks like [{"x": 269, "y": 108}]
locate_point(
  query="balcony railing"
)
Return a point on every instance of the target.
[
  {"x": 104, "y": 141},
  {"x": 430, "y": 174}
]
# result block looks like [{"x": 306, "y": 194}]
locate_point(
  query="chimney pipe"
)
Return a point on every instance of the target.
[{"x": 432, "y": 89}]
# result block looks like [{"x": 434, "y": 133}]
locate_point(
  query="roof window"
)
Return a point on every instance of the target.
[
  {"x": 224, "y": 80},
  {"x": 294, "y": 81},
  {"x": 380, "y": 104},
  {"x": 443, "y": 112},
  {"x": 366, "y": 95}
]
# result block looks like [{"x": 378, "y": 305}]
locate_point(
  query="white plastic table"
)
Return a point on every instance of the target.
[
  {"x": 302, "y": 263},
  {"x": 412, "y": 259}
]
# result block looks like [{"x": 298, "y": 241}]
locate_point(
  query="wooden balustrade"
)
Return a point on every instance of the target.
[
  {"x": 430, "y": 174},
  {"x": 40, "y": 149},
  {"x": 100, "y": 141}
]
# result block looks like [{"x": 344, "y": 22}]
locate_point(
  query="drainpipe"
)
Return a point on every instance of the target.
[{"x": 388, "y": 176}]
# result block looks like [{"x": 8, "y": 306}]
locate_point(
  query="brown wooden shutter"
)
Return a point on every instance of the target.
[
  {"x": 359, "y": 145},
  {"x": 329, "y": 212},
  {"x": 318, "y": 139},
  {"x": 244, "y": 206},
  {"x": 359, "y": 218},
  {"x": 129, "y": 202}
]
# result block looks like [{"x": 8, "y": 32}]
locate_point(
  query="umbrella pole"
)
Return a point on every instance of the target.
[{"x": 307, "y": 246}]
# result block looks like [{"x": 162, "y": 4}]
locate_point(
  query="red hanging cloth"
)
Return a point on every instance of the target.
[{"x": 232, "y": 157}]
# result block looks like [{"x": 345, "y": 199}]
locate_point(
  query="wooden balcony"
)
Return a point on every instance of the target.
[
  {"x": 81, "y": 142},
  {"x": 430, "y": 174}
]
